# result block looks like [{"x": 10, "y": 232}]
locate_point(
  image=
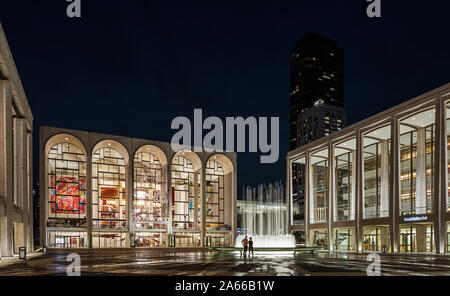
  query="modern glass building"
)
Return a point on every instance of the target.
[
  {"x": 105, "y": 191},
  {"x": 380, "y": 184}
]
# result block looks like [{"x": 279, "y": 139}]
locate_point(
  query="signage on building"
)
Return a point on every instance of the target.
[{"x": 415, "y": 218}]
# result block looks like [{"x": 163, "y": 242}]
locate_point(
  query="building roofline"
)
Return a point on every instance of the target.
[
  {"x": 440, "y": 91},
  {"x": 12, "y": 75}
]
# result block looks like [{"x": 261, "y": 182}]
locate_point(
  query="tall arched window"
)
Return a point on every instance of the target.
[
  {"x": 183, "y": 194},
  {"x": 214, "y": 195},
  {"x": 66, "y": 186},
  {"x": 150, "y": 205},
  {"x": 108, "y": 189}
]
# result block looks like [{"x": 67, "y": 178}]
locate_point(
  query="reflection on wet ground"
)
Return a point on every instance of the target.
[{"x": 229, "y": 263}]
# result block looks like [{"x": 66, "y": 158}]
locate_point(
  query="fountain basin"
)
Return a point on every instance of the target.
[{"x": 268, "y": 241}]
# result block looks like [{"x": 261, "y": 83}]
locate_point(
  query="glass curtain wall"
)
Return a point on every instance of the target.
[
  {"x": 417, "y": 148},
  {"x": 214, "y": 196},
  {"x": 108, "y": 189},
  {"x": 319, "y": 166},
  {"x": 408, "y": 154},
  {"x": 150, "y": 206},
  {"x": 183, "y": 194},
  {"x": 66, "y": 186},
  {"x": 343, "y": 187},
  {"x": 372, "y": 181}
]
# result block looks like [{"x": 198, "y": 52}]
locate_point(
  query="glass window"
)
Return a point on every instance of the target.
[
  {"x": 184, "y": 199},
  {"x": 319, "y": 164},
  {"x": 66, "y": 186},
  {"x": 344, "y": 187},
  {"x": 214, "y": 195},
  {"x": 417, "y": 148},
  {"x": 408, "y": 153},
  {"x": 150, "y": 206},
  {"x": 344, "y": 239},
  {"x": 372, "y": 180},
  {"x": 108, "y": 189}
]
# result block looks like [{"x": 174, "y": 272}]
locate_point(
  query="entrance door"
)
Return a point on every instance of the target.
[
  {"x": 371, "y": 242},
  {"x": 408, "y": 241}
]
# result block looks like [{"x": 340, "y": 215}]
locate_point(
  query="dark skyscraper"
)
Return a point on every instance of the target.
[
  {"x": 317, "y": 89},
  {"x": 316, "y": 100}
]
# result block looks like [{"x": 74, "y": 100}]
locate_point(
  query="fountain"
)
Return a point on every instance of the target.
[{"x": 265, "y": 217}]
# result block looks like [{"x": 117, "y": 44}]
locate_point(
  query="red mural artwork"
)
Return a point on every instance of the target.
[{"x": 69, "y": 195}]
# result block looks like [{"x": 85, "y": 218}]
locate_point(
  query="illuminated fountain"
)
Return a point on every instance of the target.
[{"x": 264, "y": 217}]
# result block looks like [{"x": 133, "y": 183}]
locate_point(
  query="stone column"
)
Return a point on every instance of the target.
[
  {"x": 384, "y": 176},
  {"x": 330, "y": 202},
  {"x": 169, "y": 196},
  {"x": 130, "y": 200},
  {"x": 307, "y": 201},
  {"x": 384, "y": 237},
  {"x": 30, "y": 239},
  {"x": 203, "y": 205},
  {"x": 359, "y": 186},
  {"x": 421, "y": 173},
  {"x": 353, "y": 185},
  {"x": 394, "y": 189},
  {"x": 195, "y": 200},
  {"x": 440, "y": 180},
  {"x": 21, "y": 164},
  {"x": 6, "y": 170},
  {"x": 89, "y": 216},
  {"x": 421, "y": 236}
]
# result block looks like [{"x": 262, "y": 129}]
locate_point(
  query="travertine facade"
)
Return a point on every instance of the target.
[{"x": 16, "y": 128}]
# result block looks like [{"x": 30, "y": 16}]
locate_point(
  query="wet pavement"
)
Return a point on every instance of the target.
[{"x": 227, "y": 263}]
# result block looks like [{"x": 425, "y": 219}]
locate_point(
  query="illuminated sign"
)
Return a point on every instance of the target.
[{"x": 415, "y": 219}]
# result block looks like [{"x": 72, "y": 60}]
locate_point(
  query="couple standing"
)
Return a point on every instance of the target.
[{"x": 247, "y": 244}]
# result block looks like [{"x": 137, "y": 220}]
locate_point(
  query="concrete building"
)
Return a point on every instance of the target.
[
  {"x": 101, "y": 190},
  {"x": 16, "y": 137},
  {"x": 381, "y": 183}
]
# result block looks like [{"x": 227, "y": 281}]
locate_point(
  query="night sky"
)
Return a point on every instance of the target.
[{"x": 129, "y": 67}]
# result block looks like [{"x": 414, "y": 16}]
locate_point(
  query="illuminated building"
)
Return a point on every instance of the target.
[
  {"x": 104, "y": 191},
  {"x": 381, "y": 183}
]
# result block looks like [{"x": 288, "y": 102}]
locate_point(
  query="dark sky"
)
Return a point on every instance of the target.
[{"x": 130, "y": 67}]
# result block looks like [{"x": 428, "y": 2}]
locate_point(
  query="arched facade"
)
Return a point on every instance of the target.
[
  {"x": 150, "y": 207},
  {"x": 186, "y": 203},
  {"x": 219, "y": 213},
  {"x": 133, "y": 193},
  {"x": 110, "y": 163},
  {"x": 66, "y": 203}
]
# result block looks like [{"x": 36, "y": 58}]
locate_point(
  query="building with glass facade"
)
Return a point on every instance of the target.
[
  {"x": 105, "y": 191},
  {"x": 380, "y": 184},
  {"x": 16, "y": 164}
]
